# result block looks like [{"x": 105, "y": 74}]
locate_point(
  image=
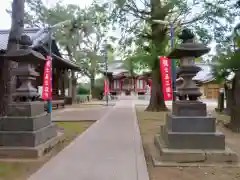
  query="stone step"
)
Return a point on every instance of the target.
[
  {"x": 21, "y": 123},
  {"x": 167, "y": 154},
  {"x": 191, "y": 123},
  {"x": 21, "y": 152},
  {"x": 27, "y": 138},
  {"x": 194, "y": 140}
]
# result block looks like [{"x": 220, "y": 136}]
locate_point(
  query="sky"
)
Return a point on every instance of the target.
[{"x": 5, "y": 22}]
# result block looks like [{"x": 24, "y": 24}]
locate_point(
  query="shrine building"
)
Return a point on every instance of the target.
[
  {"x": 63, "y": 70},
  {"x": 122, "y": 82}
]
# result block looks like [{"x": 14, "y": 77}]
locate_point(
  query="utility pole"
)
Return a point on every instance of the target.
[
  {"x": 50, "y": 30},
  {"x": 106, "y": 70},
  {"x": 173, "y": 61}
]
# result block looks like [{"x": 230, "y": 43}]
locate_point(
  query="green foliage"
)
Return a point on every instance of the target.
[
  {"x": 99, "y": 88},
  {"x": 82, "y": 38},
  {"x": 150, "y": 39},
  {"x": 227, "y": 58},
  {"x": 225, "y": 65},
  {"x": 82, "y": 90},
  {"x": 82, "y": 98},
  {"x": 100, "y": 83}
]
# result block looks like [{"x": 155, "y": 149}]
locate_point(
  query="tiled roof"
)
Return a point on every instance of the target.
[
  {"x": 116, "y": 67},
  {"x": 205, "y": 74},
  {"x": 38, "y": 36}
]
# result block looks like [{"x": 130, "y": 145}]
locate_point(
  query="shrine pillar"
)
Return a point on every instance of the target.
[
  {"x": 74, "y": 86},
  {"x": 67, "y": 90},
  {"x": 54, "y": 82},
  {"x": 58, "y": 82},
  {"x": 62, "y": 81},
  {"x": 70, "y": 83},
  {"x": 65, "y": 82}
]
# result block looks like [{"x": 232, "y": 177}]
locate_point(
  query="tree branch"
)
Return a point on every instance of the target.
[{"x": 195, "y": 19}]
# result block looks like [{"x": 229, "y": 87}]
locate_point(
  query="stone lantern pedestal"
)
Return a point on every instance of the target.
[
  {"x": 190, "y": 135},
  {"x": 27, "y": 131}
]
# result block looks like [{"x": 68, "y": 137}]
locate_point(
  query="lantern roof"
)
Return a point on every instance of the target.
[{"x": 189, "y": 47}]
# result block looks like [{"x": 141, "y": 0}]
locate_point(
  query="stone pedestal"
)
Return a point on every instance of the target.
[
  {"x": 190, "y": 136},
  {"x": 184, "y": 130},
  {"x": 27, "y": 131}
]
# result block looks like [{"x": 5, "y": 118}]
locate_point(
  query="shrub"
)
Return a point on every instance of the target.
[{"x": 82, "y": 90}]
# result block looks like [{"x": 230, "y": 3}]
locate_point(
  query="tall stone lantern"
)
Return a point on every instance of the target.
[
  {"x": 189, "y": 135},
  {"x": 27, "y": 131}
]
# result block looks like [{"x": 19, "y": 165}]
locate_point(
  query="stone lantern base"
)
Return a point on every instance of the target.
[
  {"x": 190, "y": 136},
  {"x": 27, "y": 131}
]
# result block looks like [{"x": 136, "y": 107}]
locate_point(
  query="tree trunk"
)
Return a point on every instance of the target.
[
  {"x": 234, "y": 123},
  {"x": 156, "y": 101},
  {"x": 8, "y": 80},
  {"x": 158, "y": 37},
  {"x": 92, "y": 87}
]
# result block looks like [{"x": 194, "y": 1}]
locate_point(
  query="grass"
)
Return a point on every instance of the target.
[
  {"x": 22, "y": 169},
  {"x": 150, "y": 122}
]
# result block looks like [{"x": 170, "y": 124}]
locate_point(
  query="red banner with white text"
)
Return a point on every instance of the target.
[
  {"x": 106, "y": 87},
  {"x": 165, "y": 69},
  {"x": 47, "y": 80}
]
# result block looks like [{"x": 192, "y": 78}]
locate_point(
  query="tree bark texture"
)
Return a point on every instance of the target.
[
  {"x": 159, "y": 32},
  {"x": 234, "y": 124},
  {"x": 8, "y": 79},
  {"x": 156, "y": 100},
  {"x": 92, "y": 87}
]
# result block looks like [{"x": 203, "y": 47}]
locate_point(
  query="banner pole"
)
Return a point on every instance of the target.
[
  {"x": 173, "y": 63},
  {"x": 49, "y": 102}
]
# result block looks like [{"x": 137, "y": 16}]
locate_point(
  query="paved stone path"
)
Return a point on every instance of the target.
[
  {"x": 78, "y": 114},
  {"x": 111, "y": 149}
]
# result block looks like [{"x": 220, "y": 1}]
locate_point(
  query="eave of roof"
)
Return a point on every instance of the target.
[{"x": 39, "y": 37}]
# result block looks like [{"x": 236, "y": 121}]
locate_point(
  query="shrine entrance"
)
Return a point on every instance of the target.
[{"x": 127, "y": 86}]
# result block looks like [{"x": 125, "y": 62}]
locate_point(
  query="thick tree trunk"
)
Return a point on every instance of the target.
[
  {"x": 159, "y": 32},
  {"x": 234, "y": 123},
  {"x": 8, "y": 80},
  {"x": 156, "y": 101}
]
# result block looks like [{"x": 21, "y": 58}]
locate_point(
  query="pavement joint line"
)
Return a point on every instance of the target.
[
  {"x": 137, "y": 164},
  {"x": 139, "y": 156},
  {"x": 88, "y": 129}
]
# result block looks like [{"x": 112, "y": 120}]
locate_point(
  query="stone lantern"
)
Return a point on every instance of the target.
[
  {"x": 27, "y": 131},
  {"x": 189, "y": 134}
]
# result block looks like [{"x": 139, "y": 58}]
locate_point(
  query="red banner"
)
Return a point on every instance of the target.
[
  {"x": 165, "y": 69},
  {"x": 106, "y": 87},
  {"x": 47, "y": 80}
]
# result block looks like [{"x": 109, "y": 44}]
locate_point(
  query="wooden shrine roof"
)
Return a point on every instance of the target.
[{"x": 40, "y": 38}]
